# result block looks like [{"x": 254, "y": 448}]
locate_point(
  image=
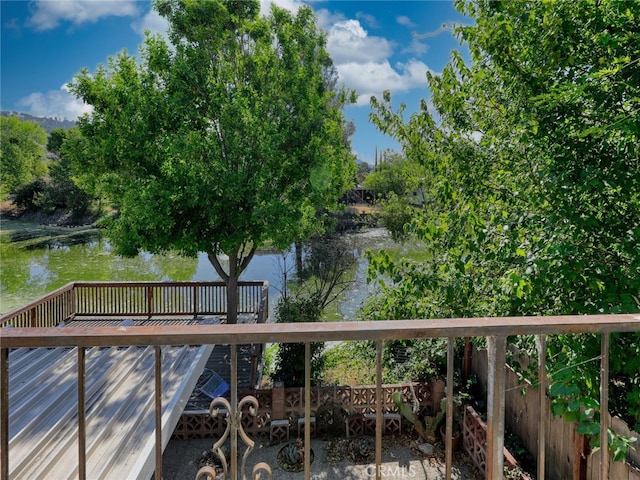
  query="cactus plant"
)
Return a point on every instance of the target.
[{"x": 425, "y": 426}]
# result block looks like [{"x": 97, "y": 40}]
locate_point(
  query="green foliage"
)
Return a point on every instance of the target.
[
  {"x": 396, "y": 214},
  {"x": 395, "y": 175},
  {"x": 21, "y": 153},
  {"x": 269, "y": 360},
  {"x": 232, "y": 137},
  {"x": 27, "y": 196},
  {"x": 56, "y": 140},
  {"x": 290, "y": 359},
  {"x": 532, "y": 170},
  {"x": 325, "y": 268},
  {"x": 58, "y": 190},
  {"x": 363, "y": 171},
  {"x": 61, "y": 192}
]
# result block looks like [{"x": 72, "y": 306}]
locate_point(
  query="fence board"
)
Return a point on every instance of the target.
[{"x": 522, "y": 414}]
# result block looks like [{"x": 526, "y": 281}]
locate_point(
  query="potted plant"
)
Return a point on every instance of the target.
[{"x": 458, "y": 404}]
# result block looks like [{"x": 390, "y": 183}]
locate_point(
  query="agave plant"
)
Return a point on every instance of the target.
[
  {"x": 361, "y": 449},
  {"x": 295, "y": 452}
]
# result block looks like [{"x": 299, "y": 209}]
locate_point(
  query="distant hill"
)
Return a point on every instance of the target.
[{"x": 45, "y": 122}]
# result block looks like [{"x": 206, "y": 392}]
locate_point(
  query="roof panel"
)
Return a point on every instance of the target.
[{"x": 119, "y": 394}]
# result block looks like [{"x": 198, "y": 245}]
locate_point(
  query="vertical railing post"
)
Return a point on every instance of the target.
[
  {"x": 82, "y": 421},
  {"x": 497, "y": 348},
  {"x": 149, "y": 299},
  {"x": 233, "y": 414},
  {"x": 307, "y": 411},
  {"x": 541, "y": 345},
  {"x": 4, "y": 412},
  {"x": 195, "y": 301},
  {"x": 379, "y": 423},
  {"x": 264, "y": 302},
  {"x": 73, "y": 307},
  {"x": 450, "y": 407},
  {"x": 604, "y": 406},
  {"x": 158, "y": 409}
]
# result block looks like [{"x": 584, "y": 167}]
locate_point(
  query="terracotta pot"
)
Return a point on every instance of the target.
[{"x": 455, "y": 440}]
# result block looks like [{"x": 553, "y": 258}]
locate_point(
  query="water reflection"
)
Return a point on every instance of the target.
[
  {"x": 28, "y": 273},
  {"x": 64, "y": 242}
]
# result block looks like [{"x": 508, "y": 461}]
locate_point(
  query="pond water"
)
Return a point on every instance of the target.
[{"x": 28, "y": 273}]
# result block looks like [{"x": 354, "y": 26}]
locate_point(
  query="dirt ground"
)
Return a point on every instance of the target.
[{"x": 401, "y": 461}]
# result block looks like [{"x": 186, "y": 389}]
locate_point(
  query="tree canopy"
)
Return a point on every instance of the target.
[
  {"x": 22, "y": 153},
  {"x": 533, "y": 168},
  {"x": 230, "y": 137}
]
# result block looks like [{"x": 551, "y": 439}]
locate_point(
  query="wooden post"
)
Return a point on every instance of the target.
[
  {"x": 149, "y": 300},
  {"x": 307, "y": 411},
  {"x": 379, "y": 409},
  {"x": 195, "y": 301},
  {"x": 450, "y": 407},
  {"x": 541, "y": 345},
  {"x": 497, "y": 348},
  {"x": 604, "y": 406}
]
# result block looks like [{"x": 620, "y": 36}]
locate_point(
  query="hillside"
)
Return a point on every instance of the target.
[{"x": 47, "y": 123}]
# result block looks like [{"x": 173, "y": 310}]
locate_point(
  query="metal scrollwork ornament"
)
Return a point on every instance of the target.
[{"x": 221, "y": 405}]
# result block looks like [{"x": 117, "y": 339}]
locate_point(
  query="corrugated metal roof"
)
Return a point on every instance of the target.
[{"x": 120, "y": 440}]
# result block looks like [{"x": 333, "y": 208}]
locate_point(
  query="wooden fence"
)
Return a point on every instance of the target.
[{"x": 522, "y": 416}]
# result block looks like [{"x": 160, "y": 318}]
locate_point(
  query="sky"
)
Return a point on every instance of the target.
[{"x": 375, "y": 45}]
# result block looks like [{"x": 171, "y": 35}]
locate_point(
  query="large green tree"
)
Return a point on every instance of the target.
[
  {"x": 533, "y": 162},
  {"x": 22, "y": 153},
  {"x": 230, "y": 137}
]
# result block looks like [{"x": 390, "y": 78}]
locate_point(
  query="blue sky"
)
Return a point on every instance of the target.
[{"x": 376, "y": 45}]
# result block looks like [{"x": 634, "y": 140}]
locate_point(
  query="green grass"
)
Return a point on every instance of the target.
[{"x": 349, "y": 363}]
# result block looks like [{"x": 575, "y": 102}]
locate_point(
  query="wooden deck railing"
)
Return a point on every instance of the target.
[
  {"x": 135, "y": 299},
  {"x": 496, "y": 331}
]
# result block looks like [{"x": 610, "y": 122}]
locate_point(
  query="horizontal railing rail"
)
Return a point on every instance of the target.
[
  {"x": 43, "y": 312},
  {"x": 495, "y": 330},
  {"x": 135, "y": 299}
]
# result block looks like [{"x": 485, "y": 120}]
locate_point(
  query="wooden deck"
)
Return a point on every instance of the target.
[{"x": 43, "y": 421}]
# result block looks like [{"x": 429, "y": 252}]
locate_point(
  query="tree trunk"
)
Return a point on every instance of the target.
[
  {"x": 232, "y": 289},
  {"x": 230, "y": 280},
  {"x": 238, "y": 262}
]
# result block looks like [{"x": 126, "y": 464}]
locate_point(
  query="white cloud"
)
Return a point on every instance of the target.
[
  {"x": 416, "y": 47},
  {"x": 368, "y": 19},
  {"x": 55, "y": 103},
  {"x": 291, "y": 5},
  {"x": 327, "y": 18},
  {"x": 48, "y": 14},
  {"x": 151, "y": 21},
  {"x": 363, "y": 61},
  {"x": 375, "y": 77},
  {"x": 347, "y": 41},
  {"x": 406, "y": 21}
]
